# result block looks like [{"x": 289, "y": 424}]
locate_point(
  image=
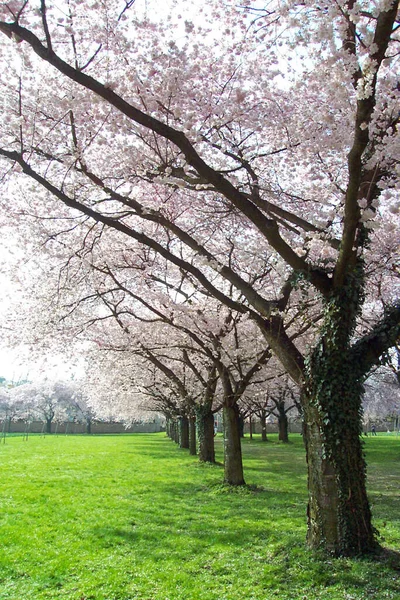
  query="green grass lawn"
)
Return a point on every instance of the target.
[{"x": 134, "y": 517}]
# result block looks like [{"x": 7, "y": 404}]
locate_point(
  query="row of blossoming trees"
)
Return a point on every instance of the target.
[
  {"x": 226, "y": 179},
  {"x": 50, "y": 401}
]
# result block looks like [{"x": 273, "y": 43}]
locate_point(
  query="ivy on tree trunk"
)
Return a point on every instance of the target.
[{"x": 339, "y": 516}]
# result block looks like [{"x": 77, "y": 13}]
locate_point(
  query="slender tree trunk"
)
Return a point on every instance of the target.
[
  {"x": 48, "y": 425},
  {"x": 263, "y": 422},
  {"x": 233, "y": 465},
  {"x": 173, "y": 430},
  {"x": 192, "y": 436},
  {"x": 176, "y": 431},
  {"x": 205, "y": 432},
  {"x": 89, "y": 426},
  {"x": 170, "y": 428},
  {"x": 205, "y": 419},
  {"x": 183, "y": 432},
  {"x": 251, "y": 427},
  {"x": 283, "y": 428}
]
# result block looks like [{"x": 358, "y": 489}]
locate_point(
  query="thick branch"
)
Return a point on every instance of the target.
[
  {"x": 365, "y": 107},
  {"x": 368, "y": 351},
  {"x": 246, "y": 379},
  {"x": 282, "y": 346},
  {"x": 167, "y": 372}
]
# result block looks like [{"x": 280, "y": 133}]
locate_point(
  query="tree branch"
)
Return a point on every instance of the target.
[{"x": 368, "y": 351}]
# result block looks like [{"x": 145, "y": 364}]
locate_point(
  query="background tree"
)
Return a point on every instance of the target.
[{"x": 46, "y": 400}]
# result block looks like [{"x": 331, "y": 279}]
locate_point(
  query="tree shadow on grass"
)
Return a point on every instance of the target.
[
  {"x": 390, "y": 558},
  {"x": 288, "y": 565},
  {"x": 240, "y": 516},
  {"x": 166, "y": 540}
]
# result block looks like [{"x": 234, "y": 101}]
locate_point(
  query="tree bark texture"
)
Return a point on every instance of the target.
[
  {"x": 205, "y": 433},
  {"x": 233, "y": 466},
  {"x": 339, "y": 516},
  {"x": 283, "y": 427},
  {"x": 183, "y": 432},
  {"x": 241, "y": 426}
]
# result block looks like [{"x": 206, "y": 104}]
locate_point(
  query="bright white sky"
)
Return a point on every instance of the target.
[
  {"x": 16, "y": 365},
  {"x": 11, "y": 367}
]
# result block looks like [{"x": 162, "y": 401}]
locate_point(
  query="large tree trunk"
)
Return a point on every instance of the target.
[
  {"x": 205, "y": 433},
  {"x": 183, "y": 432},
  {"x": 192, "y": 436},
  {"x": 233, "y": 465},
  {"x": 339, "y": 516},
  {"x": 48, "y": 425}
]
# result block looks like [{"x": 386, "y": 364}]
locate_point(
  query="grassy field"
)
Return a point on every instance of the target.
[{"x": 134, "y": 517}]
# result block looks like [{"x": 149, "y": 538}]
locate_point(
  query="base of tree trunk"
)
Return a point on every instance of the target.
[{"x": 339, "y": 516}]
